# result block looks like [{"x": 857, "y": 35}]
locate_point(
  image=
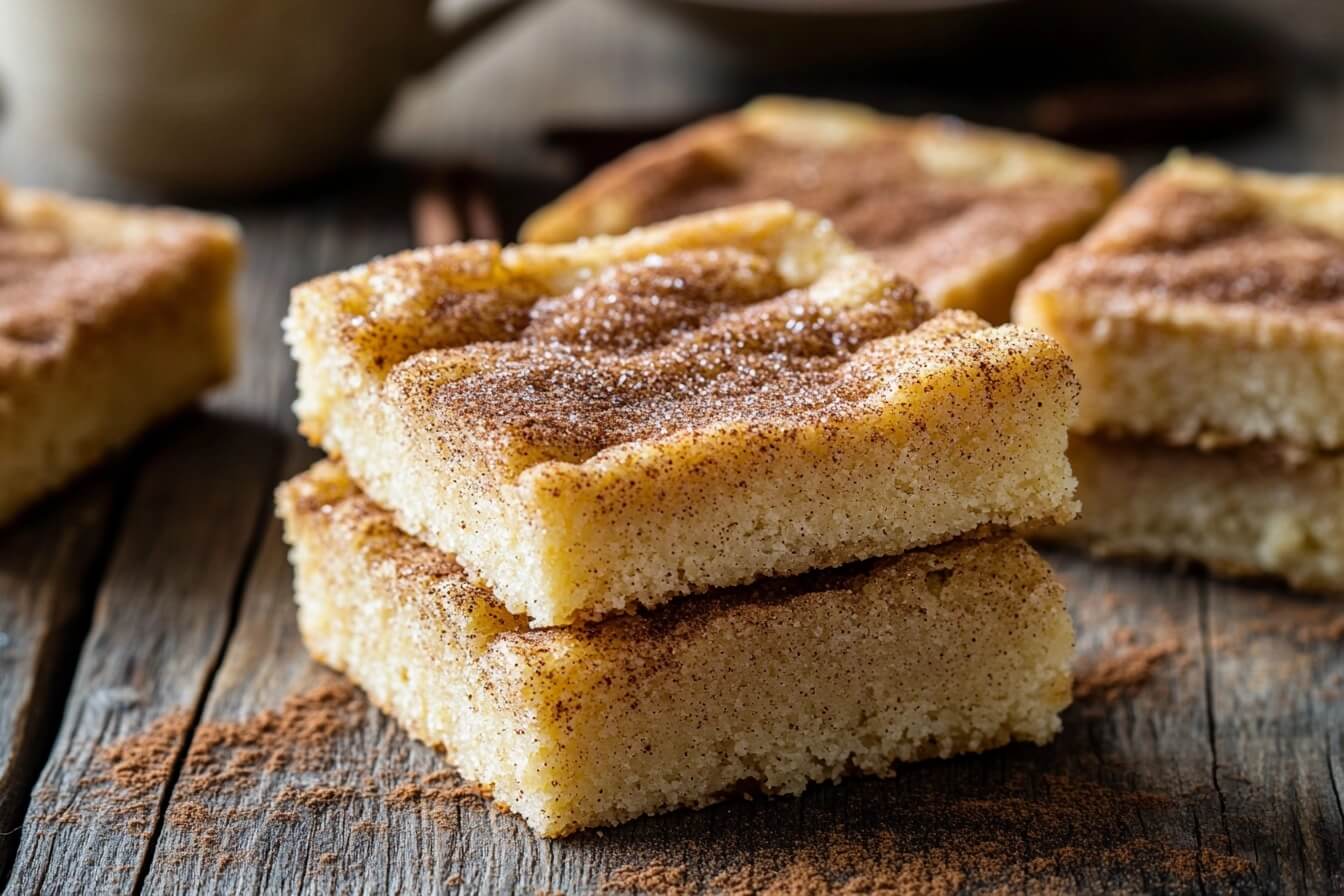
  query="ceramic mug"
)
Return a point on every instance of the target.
[{"x": 217, "y": 95}]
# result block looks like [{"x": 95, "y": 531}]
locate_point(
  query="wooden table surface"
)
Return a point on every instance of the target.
[{"x": 162, "y": 729}]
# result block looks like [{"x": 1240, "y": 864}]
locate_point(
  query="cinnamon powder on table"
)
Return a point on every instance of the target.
[
  {"x": 1124, "y": 670},
  {"x": 1303, "y": 623},
  {"x": 957, "y": 842},
  {"x": 128, "y": 777},
  {"x": 305, "y": 742},
  {"x": 441, "y": 794},
  {"x": 655, "y": 879},
  {"x": 1030, "y": 834},
  {"x": 880, "y": 865}
]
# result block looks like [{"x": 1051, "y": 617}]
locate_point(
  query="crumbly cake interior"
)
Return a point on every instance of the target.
[
  {"x": 964, "y": 212},
  {"x": 954, "y": 649},
  {"x": 109, "y": 319},
  {"x": 616, "y": 422},
  {"x": 1257, "y": 510},
  {"x": 1206, "y": 309}
]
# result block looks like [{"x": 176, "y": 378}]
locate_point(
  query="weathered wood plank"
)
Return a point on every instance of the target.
[
  {"x": 1276, "y": 714},
  {"x": 162, "y": 615},
  {"x": 48, "y": 560},
  {"x": 255, "y": 841},
  {"x": 288, "y": 806}
]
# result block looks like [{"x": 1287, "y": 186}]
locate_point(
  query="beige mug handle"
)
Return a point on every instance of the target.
[{"x": 445, "y": 37}]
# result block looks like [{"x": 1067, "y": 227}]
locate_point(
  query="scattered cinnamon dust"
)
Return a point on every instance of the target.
[
  {"x": 1030, "y": 834},
  {"x": 298, "y": 737},
  {"x": 303, "y": 746},
  {"x": 1303, "y": 623},
  {"x": 440, "y": 794},
  {"x": 654, "y": 879},
  {"x": 128, "y": 777},
  {"x": 1122, "y": 671},
  {"x": 1068, "y": 837}
]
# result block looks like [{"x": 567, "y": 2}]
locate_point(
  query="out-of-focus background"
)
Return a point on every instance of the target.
[
  {"x": 150, "y": 604},
  {"x": 545, "y": 88}
]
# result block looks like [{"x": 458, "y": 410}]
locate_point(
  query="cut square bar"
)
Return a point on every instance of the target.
[
  {"x": 617, "y": 422},
  {"x": 1255, "y": 510},
  {"x": 1207, "y": 308},
  {"x": 953, "y": 649}
]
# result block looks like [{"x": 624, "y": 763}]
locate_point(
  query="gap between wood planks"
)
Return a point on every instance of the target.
[
  {"x": 53, "y": 673},
  {"x": 1210, "y": 712},
  {"x": 260, "y": 523}
]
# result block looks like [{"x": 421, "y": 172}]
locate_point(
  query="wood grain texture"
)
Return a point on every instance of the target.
[
  {"x": 162, "y": 615},
  {"x": 48, "y": 563},
  {"x": 1275, "y": 692}
]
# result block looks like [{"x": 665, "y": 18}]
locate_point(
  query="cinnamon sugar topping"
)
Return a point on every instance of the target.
[
  {"x": 1172, "y": 241},
  {"x": 875, "y": 191},
  {"x": 23, "y": 253},
  {"x": 650, "y": 348},
  {"x": 57, "y": 276}
]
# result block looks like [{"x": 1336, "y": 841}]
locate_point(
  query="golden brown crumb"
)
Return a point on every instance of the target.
[{"x": 1274, "y": 512}]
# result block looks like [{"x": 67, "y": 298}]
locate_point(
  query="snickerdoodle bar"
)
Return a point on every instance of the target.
[
  {"x": 613, "y": 423},
  {"x": 945, "y": 650},
  {"x": 111, "y": 317},
  {"x": 964, "y": 211}
]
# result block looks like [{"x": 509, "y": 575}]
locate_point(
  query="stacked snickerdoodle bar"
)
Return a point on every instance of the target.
[{"x": 626, "y": 524}]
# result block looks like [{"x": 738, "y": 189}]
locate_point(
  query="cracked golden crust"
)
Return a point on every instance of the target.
[
  {"x": 963, "y": 211},
  {"x": 755, "y": 316},
  {"x": 71, "y": 269}
]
